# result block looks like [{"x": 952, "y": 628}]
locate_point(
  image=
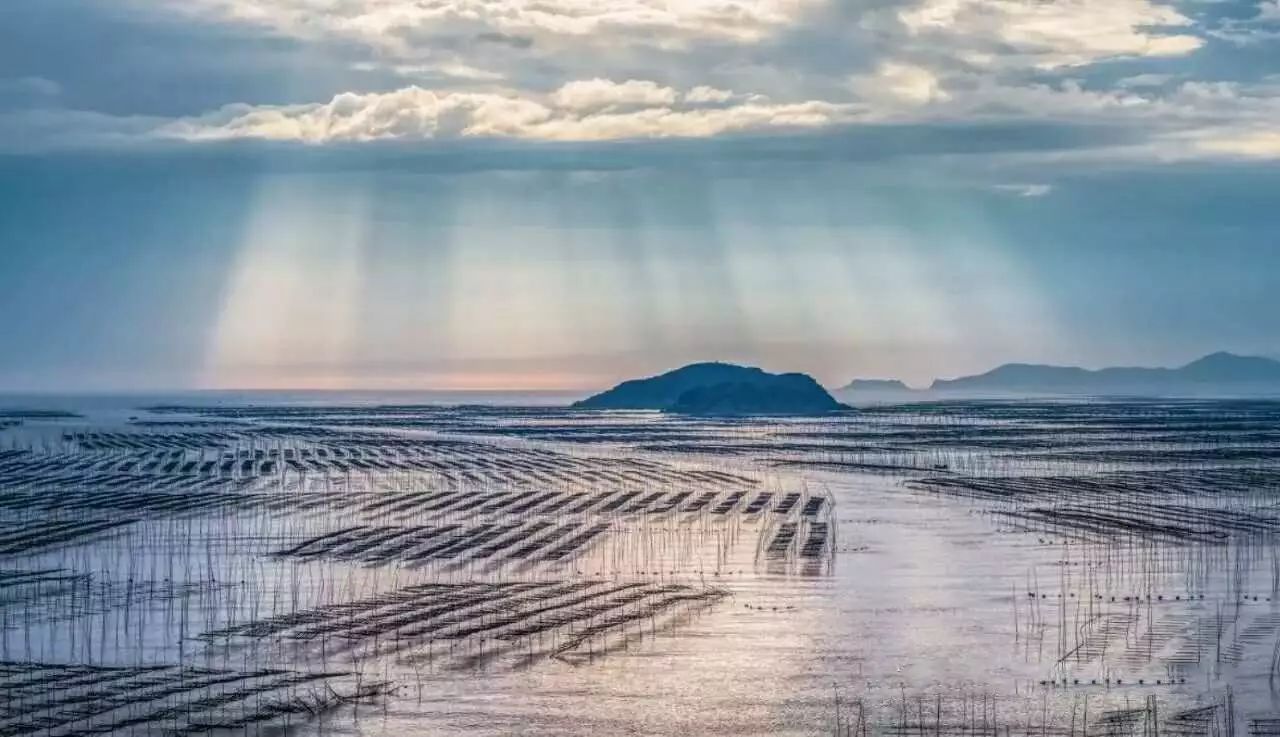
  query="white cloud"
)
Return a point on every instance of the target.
[
  {"x": 1190, "y": 120},
  {"x": 909, "y": 59},
  {"x": 897, "y": 82},
  {"x": 1051, "y": 34},
  {"x": 594, "y": 110},
  {"x": 408, "y": 113},
  {"x": 602, "y": 95},
  {"x": 1194, "y": 120},
  {"x": 439, "y": 70},
  {"x": 393, "y": 24},
  {"x": 1237, "y": 143},
  {"x": 704, "y": 95}
]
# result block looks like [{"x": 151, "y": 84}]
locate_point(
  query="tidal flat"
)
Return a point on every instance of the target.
[{"x": 310, "y": 567}]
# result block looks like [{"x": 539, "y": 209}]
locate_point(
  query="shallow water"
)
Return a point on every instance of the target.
[{"x": 921, "y": 611}]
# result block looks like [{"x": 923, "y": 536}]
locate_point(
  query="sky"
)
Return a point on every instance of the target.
[{"x": 560, "y": 194}]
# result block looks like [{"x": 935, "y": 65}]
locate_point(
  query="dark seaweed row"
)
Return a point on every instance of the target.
[
  {"x": 36, "y": 536},
  {"x": 413, "y": 544},
  {"x": 1206, "y": 506},
  {"x": 73, "y": 700},
  {"x": 460, "y": 611}
]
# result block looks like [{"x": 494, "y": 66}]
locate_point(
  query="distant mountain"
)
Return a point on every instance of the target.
[
  {"x": 877, "y": 386},
  {"x": 1219, "y": 373},
  {"x": 1228, "y": 367},
  {"x": 721, "y": 389}
]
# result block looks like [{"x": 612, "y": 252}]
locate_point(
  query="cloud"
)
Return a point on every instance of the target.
[
  {"x": 1144, "y": 80},
  {"x": 1262, "y": 27},
  {"x": 454, "y": 70},
  {"x": 519, "y": 42},
  {"x": 1048, "y": 35},
  {"x": 1190, "y": 120},
  {"x": 393, "y": 25},
  {"x": 1244, "y": 144},
  {"x": 702, "y": 94},
  {"x": 537, "y": 71},
  {"x": 898, "y": 82},
  {"x": 590, "y": 110},
  {"x": 602, "y": 95},
  {"x": 894, "y": 58}
]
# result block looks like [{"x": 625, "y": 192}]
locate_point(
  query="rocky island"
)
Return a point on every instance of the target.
[{"x": 719, "y": 389}]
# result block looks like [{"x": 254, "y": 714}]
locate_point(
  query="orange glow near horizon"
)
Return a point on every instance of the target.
[{"x": 490, "y": 381}]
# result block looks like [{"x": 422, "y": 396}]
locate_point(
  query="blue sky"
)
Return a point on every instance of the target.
[{"x": 559, "y": 194}]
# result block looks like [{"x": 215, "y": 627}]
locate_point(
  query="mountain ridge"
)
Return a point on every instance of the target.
[
  {"x": 1221, "y": 372},
  {"x": 876, "y": 385}
]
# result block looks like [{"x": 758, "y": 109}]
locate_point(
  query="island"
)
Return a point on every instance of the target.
[
  {"x": 1217, "y": 374},
  {"x": 719, "y": 389},
  {"x": 877, "y": 386}
]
